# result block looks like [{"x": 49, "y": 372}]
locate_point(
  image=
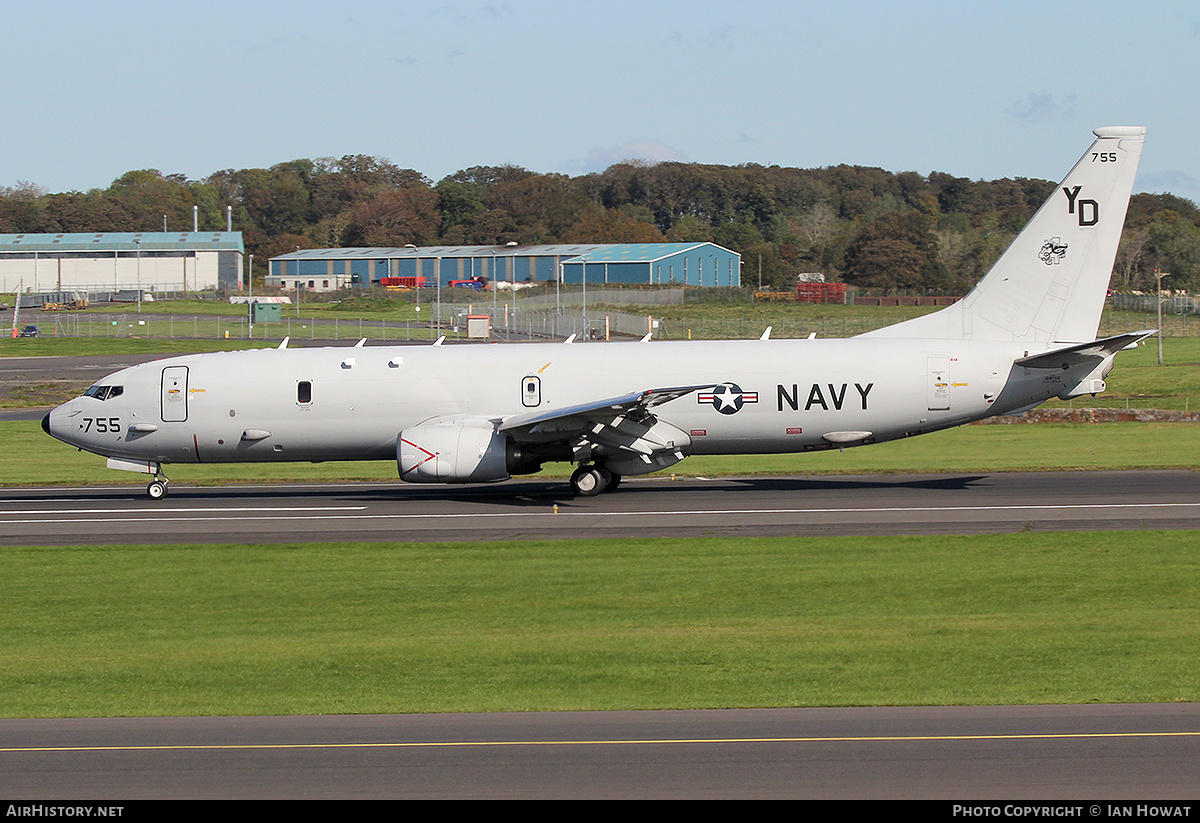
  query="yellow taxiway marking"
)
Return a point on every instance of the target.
[{"x": 632, "y": 742}]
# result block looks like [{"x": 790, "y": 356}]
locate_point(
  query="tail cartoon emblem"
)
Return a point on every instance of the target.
[{"x": 1053, "y": 251}]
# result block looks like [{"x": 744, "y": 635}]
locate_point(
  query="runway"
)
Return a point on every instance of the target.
[
  {"x": 959, "y": 754},
  {"x": 545, "y": 509}
]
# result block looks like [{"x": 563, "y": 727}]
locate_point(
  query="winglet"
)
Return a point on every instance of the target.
[
  {"x": 570, "y": 339},
  {"x": 649, "y": 336},
  {"x": 440, "y": 340},
  {"x": 283, "y": 343},
  {"x": 362, "y": 342},
  {"x": 766, "y": 335}
]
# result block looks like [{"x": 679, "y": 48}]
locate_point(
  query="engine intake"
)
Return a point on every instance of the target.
[{"x": 457, "y": 450}]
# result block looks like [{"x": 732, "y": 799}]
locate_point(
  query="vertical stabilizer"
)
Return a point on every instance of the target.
[{"x": 1049, "y": 285}]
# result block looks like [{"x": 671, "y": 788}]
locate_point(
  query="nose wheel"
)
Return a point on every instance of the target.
[{"x": 157, "y": 489}]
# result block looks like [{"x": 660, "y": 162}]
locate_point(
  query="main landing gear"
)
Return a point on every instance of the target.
[{"x": 589, "y": 480}]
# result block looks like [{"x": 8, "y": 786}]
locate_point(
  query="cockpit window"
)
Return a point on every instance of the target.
[{"x": 104, "y": 392}]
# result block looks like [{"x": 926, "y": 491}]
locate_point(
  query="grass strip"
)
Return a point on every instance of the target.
[{"x": 599, "y": 624}]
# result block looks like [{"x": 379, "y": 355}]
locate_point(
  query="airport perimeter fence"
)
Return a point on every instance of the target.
[
  {"x": 521, "y": 324},
  {"x": 607, "y": 297},
  {"x": 208, "y": 327},
  {"x": 507, "y": 324},
  {"x": 848, "y": 326},
  {"x": 1175, "y": 304}
]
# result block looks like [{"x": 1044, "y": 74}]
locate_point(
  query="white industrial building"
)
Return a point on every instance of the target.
[{"x": 116, "y": 261}]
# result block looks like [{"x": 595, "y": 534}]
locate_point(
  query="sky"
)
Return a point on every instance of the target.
[{"x": 980, "y": 90}]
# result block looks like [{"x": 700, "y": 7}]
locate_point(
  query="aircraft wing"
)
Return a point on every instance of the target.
[
  {"x": 635, "y": 405},
  {"x": 1080, "y": 353},
  {"x": 621, "y": 430}
]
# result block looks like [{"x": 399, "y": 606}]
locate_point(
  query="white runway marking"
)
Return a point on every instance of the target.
[{"x": 317, "y": 513}]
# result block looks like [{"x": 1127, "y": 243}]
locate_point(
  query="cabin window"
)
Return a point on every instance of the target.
[
  {"x": 304, "y": 391},
  {"x": 531, "y": 391}
]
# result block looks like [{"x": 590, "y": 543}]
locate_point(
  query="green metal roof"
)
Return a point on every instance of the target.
[
  {"x": 641, "y": 252},
  {"x": 589, "y": 252},
  {"x": 123, "y": 241}
]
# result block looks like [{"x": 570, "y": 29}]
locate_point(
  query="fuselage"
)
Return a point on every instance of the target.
[{"x": 768, "y": 396}]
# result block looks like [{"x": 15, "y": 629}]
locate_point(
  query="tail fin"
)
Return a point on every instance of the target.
[{"x": 1050, "y": 284}]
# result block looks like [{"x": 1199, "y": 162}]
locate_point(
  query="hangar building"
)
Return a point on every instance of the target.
[
  {"x": 104, "y": 261},
  {"x": 696, "y": 264}
]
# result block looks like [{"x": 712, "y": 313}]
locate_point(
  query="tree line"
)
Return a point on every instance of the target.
[{"x": 863, "y": 226}]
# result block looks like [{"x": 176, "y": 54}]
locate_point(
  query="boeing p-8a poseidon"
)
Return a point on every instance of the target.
[{"x": 471, "y": 414}]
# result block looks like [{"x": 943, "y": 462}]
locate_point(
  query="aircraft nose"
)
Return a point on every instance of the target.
[{"x": 46, "y": 423}]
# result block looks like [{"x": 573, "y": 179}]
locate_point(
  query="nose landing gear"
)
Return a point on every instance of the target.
[{"x": 157, "y": 489}]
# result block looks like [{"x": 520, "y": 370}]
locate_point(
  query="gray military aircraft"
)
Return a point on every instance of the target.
[{"x": 474, "y": 414}]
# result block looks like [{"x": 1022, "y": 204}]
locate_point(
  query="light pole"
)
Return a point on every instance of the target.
[
  {"x": 297, "y": 248},
  {"x": 512, "y": 276},
  {"x": 1158, "y": 277},
  {"x": 250, "y": 298},
  {"x": 492, "y": 283},
  {"x": 416, "y": 280},
  {"x": 138, "y": 244},
  {"x": 437, "y": 275}
]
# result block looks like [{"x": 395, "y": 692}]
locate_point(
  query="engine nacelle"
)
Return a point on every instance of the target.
[{"x": 455, "y": 450}]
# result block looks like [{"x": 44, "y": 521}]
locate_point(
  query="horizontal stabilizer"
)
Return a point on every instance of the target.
[{"x": 1078, "y": 354}]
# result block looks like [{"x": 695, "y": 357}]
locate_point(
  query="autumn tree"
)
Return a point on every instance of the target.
[
  {"x": 20, "y": 208},
  {"x": 145, "y": 196},
  {"x": 876, "y": 228},
  {"x": 599, "y": 225},
  {"x": 896, "y": 251},
  {"x": 1172, "y": 245},
  {"x": 394, "y": 218},
  {"x": 543, "y": 206}
]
